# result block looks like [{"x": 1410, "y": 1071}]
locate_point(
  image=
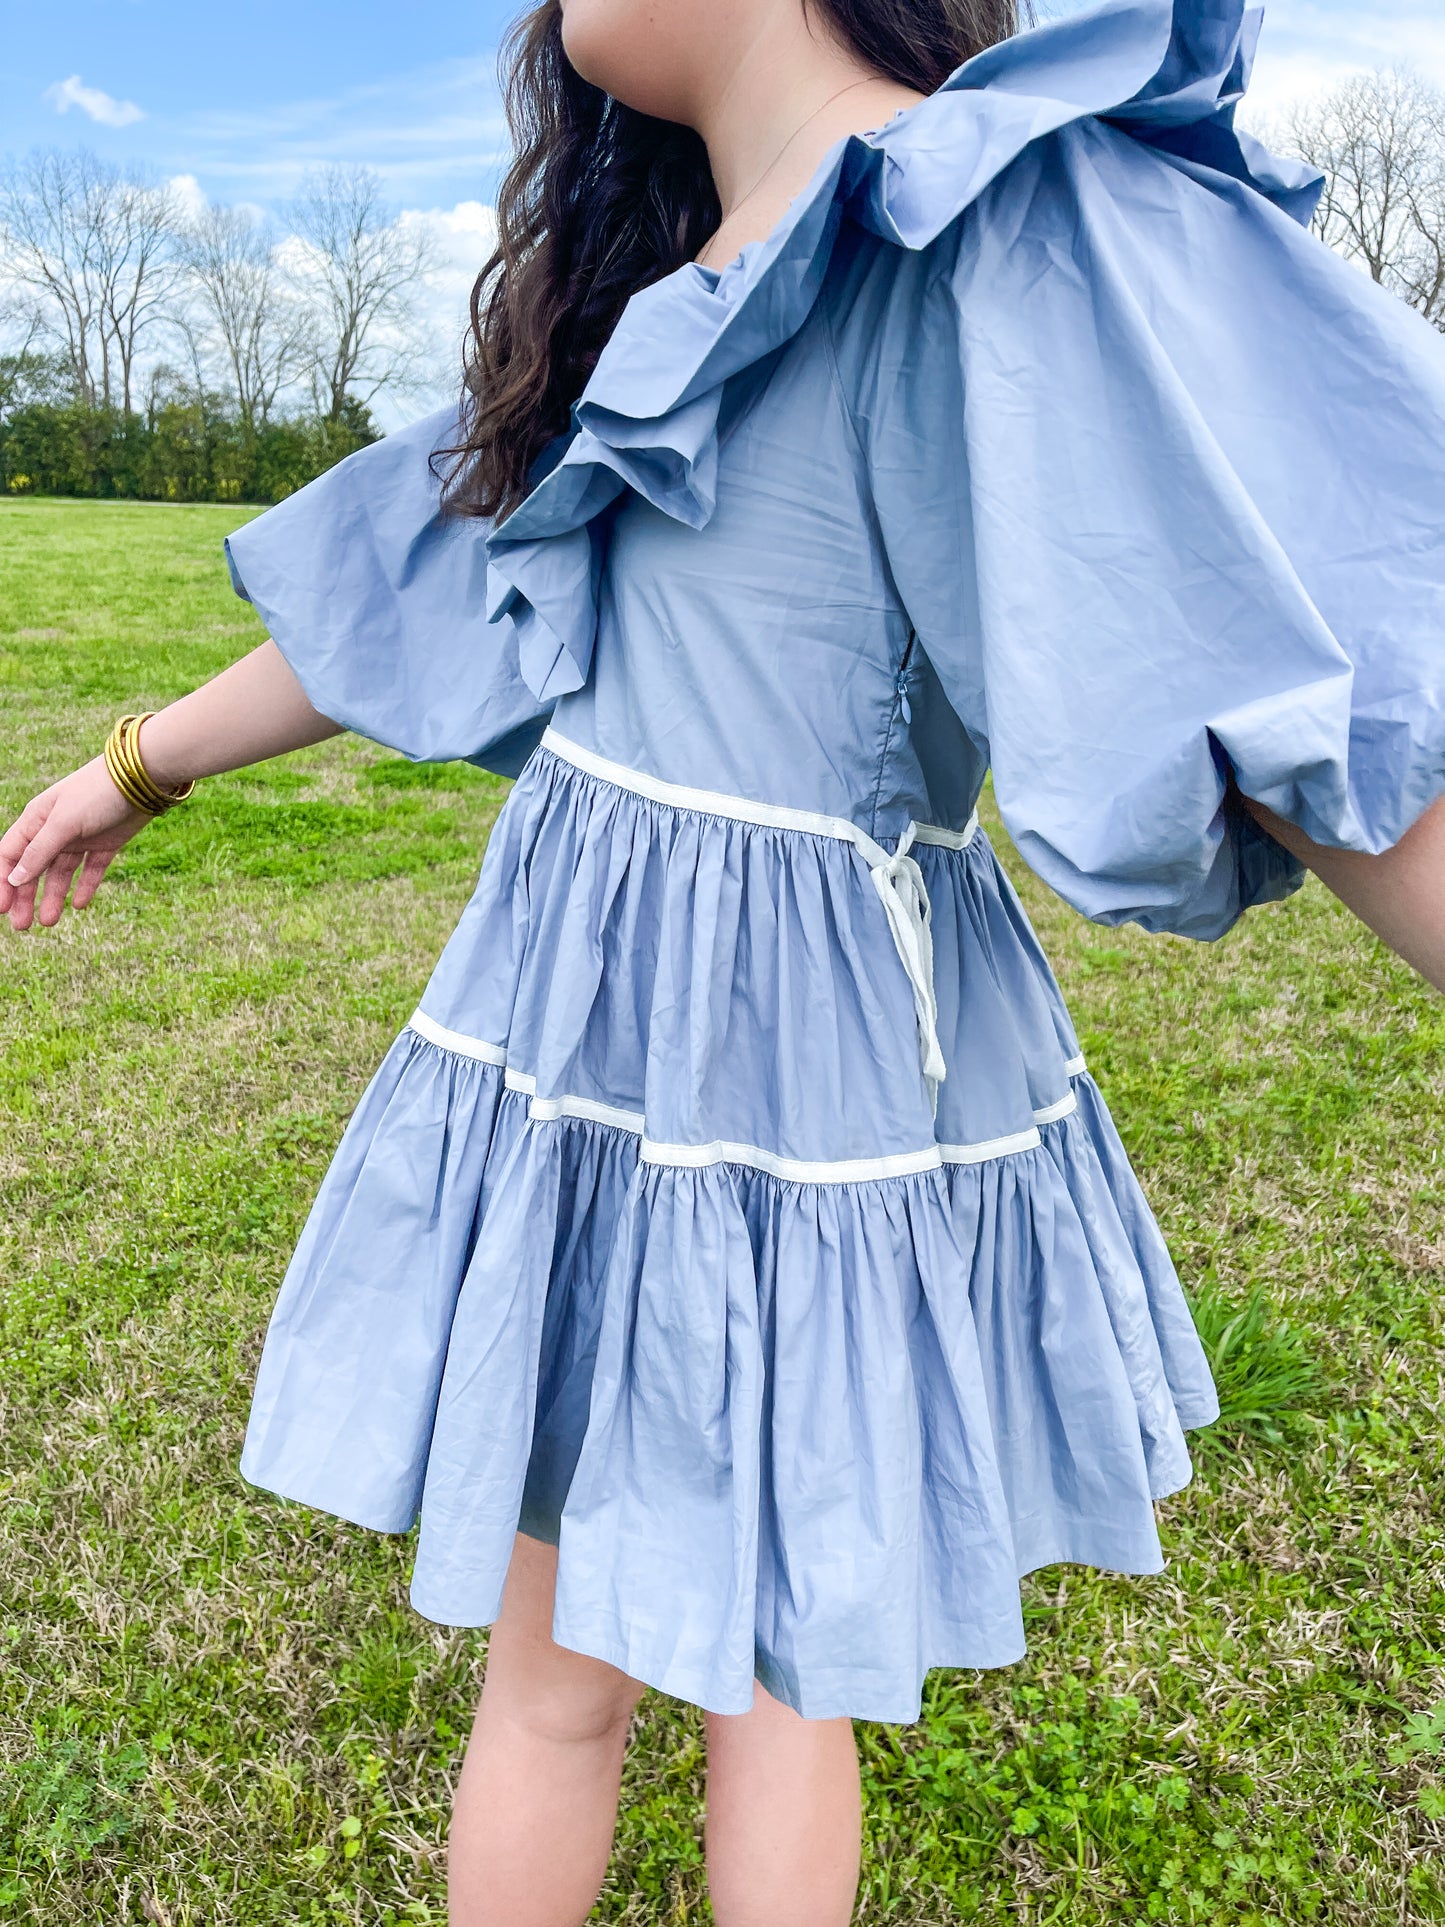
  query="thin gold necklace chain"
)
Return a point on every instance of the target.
[{"x": 867, "y": 80}]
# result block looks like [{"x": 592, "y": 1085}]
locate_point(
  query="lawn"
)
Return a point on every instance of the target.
[{"x": 218, "y": 1708}]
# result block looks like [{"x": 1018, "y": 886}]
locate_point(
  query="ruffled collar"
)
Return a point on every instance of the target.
[{"x": 1169, "y": 75}]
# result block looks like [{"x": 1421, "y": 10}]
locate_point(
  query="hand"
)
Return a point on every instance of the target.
[{"x": 79, "y": 823}]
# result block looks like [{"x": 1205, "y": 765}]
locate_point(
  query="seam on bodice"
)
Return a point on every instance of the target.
[
  {"x": 897, "y": 713},
  {"x": 869, "y": 505}
]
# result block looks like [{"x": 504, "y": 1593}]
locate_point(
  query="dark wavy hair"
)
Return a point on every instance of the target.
[{"x": 601, "y": 200}]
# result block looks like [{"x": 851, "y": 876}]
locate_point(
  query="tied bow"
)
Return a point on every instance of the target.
[{"x": 899, "y": 883}]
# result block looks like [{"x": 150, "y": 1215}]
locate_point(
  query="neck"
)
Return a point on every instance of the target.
[{"x": 770, "y": 83}]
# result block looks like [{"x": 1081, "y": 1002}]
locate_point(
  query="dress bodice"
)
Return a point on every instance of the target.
[{"x": 768, "y": 654}]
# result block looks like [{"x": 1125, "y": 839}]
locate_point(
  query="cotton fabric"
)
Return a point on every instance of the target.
[{"x": 1039, "y": 436}]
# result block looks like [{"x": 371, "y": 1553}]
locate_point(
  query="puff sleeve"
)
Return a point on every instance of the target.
[
  {"x": 378, "y": 601},
  {"x": 1162, "y": 481}
]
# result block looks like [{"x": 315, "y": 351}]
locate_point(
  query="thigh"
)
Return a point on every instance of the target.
[{"x": 772, "y": 1758}]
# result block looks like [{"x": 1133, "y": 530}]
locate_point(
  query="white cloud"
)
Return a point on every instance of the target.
[
  {"x": 102, "y": 107},
  {"x": 430, "y": 133},
  {"x": 1310, "y": 46},
  {"x": 188, "y": 191},
  {"x": 462, "y": 237}
]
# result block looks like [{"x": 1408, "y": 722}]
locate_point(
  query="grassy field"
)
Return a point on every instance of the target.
[{"x": 218, "y": 1708}]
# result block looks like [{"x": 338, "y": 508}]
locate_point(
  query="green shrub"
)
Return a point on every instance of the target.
[{"x": 182, "y": 450}]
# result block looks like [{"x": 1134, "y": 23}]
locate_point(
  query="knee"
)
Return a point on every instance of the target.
[
  {"x": 563, "y": 1698},
  {"x": 570, "y": 1714},
  {"x": 542, "y": 1689}
]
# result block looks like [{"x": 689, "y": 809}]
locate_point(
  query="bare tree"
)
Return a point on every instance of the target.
[
  {"x": 49, "y": 213},
  {"x": 141, "y": 269},
  {"x": 362, "y": 272},
  {"x": 93, "y": 247},
  {"x": 21, "y": 326},
  {"x": 1379, "y": 140},
  {"x": 107, "y": 263},
  {"x": 257, "y": 327}
]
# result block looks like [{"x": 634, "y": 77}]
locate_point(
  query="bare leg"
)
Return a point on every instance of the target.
[
  {"x": 536, "y": 1804},
  {"x": 783, "y": 1818}
]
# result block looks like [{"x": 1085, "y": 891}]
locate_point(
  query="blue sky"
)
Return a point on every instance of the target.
[{"x": 244, "y": 97}]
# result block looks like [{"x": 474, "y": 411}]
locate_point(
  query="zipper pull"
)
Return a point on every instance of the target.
[{"x": 903, "y": 706}]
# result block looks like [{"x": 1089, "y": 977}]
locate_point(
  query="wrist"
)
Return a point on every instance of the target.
[
  {"x": 128, "y": 769},
  {"x": 164, "y": 759}
]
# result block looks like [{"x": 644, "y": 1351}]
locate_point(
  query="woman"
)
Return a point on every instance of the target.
[{"x": 733, "y": 1263}]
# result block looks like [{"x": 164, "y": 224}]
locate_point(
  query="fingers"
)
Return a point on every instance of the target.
[
  {"x": 22, "y": 906},
  {"x": 52, "y": 834},
  {"x": 19, "y": 872},
  {"x": 24, "y": 827},
  {"x": 57, "y": 887},
  {"x": 97, "y": 862},
  {"x": 42, "y": 900},
  {"x": 14, "y": 843},
  {"x": 17, "y": 840},
  {"x": 78, "y": 823}
]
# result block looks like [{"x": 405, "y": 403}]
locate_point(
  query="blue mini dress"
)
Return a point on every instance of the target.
[{"x": 737, "y": 1210}]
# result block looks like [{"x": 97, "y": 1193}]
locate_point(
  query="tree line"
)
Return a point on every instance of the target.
[{"x": 151, "y": 348}]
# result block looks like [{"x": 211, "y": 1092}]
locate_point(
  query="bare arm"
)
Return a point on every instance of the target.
[
  {"x": 1400, "y": 894},
  {"x": 253, "y": 710}
]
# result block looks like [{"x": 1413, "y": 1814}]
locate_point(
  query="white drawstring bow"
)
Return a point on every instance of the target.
[{"x": 899, "y": 883}]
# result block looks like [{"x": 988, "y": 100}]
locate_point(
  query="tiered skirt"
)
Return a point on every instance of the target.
[{"x": 645, "y": 1240}]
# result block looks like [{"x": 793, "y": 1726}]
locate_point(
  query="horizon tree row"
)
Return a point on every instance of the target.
[{"x": 112, "y": 277}]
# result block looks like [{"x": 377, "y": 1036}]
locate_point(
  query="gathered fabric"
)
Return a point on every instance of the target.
[
  {"x": 896, "y": 875},
  {"x": 647, "y": 1240}
]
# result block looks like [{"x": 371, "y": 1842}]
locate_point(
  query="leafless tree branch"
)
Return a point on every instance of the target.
[
  {"x": 362, "y": 271},
  {"x": 93, "y": 247},
  {"x": 1379, "y": 140},
  {"x": 258, "y": 328}
]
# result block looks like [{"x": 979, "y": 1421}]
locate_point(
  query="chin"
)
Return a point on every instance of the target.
[{"x": 642, "y": 52}]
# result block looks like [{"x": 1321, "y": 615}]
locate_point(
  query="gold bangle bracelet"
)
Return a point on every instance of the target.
[
  {"x": 128, "y": 772},
  {"x": 118, "y": 766},
  {"x": 142, "y": 784},
  {"x": 129, "y": 757}
]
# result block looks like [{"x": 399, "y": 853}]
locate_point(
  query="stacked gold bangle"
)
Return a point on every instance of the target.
[{"x": 129, "y": 773}]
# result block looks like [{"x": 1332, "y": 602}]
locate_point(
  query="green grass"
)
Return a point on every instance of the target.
[{"x": 217, "y": 1708}]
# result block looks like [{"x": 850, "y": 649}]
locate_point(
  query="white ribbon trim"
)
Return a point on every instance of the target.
[
  {"x": 768, "y": 816},
  {"x": 1051, "y": 1113},
  {"x": 453, "y": 1040},
  {"x": 547, "y": 1110},
  {"x": 693, "y": 1157},
  {"x": 946, "y": 839}
]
